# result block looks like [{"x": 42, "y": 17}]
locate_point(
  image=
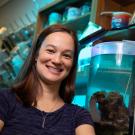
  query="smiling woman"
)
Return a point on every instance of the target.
[{"x": 40, "y": 102}]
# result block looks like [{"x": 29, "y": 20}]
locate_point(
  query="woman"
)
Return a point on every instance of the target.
[{"x": 40, "y": 104}]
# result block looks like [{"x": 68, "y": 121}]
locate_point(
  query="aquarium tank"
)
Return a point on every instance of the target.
[{"x": 105, "y": 81}]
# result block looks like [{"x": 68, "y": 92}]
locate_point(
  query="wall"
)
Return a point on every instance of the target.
[{"x": 20, "y": 13}]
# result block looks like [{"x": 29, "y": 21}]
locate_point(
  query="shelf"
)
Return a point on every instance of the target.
[
  {"x": 120, "y": 34},
  {"x": 91, "y": 38},
  {"x": 124, "y": 2},
  {"x": 103, "y": 35},
  {"x": 52, "y": 4},
  {"x": 78, "y": 24},
  {"x": 58, "y": 5}
]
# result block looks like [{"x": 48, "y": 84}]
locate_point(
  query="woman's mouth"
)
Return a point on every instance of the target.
[{"x": 55, "y": 70}]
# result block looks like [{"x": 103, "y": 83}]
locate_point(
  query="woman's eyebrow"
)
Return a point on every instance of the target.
[
  {"x": 50, "y": 45},
  {"x": 69, "y": 51}
]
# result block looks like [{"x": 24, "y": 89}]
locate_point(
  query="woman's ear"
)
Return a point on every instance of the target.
[
  {"x": 36, "y": 56},
  {"x": 35, "y": 60}
]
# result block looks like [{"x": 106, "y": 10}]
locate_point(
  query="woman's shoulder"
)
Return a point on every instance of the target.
[
  {"x": 6, "y": 91},
  {"x": 80, "y": 114},
  {"x": 7, "y": 94},
  {"x": 76, "y": 108},
  {"x": 7, "y": 103}
]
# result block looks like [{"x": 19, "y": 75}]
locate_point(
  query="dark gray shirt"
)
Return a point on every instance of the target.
[{"x": 21, "y": 120}]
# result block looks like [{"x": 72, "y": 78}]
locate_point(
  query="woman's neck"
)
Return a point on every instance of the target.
[
  {"x": 49, "y": 91},
  {"x": 48, "y": 98}
]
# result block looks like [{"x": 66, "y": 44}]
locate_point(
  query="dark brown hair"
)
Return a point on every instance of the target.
[{"x": 28, "y": 80}]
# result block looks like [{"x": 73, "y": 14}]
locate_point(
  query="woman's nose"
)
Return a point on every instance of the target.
[{"x": 56, "y": 59}]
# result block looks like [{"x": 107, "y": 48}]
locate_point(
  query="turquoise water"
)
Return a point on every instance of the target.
[{"x": 111, "y": 72}]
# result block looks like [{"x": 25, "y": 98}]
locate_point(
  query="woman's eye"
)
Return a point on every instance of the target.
[
  {"x": 50, "y": 51},
  {"x": 67, "y": 56}
]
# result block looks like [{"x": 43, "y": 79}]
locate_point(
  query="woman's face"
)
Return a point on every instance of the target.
[{"x": 55, "y": 57}]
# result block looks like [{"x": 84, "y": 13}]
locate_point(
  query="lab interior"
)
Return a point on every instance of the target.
[{"x": 106, "y": 61}]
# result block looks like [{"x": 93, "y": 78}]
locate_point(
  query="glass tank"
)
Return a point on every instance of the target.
[
  {"x": 110, "y": 86},
  {"x": 104, "y": 85}
]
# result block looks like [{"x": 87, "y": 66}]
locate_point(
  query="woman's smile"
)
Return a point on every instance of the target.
[{"x": 54, "y": 70}]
